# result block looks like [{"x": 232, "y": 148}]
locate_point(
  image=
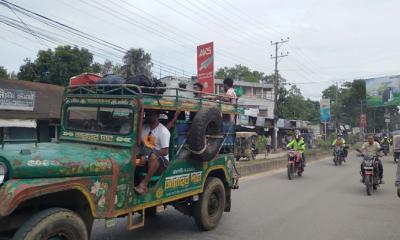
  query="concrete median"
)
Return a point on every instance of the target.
[{"x": 276, "y": 161}]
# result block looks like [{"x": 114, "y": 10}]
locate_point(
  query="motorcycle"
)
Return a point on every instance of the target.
[
  {"x": 294, "y": 164},
  {"x": 385, "y": 147},
  {"x": 338, "y": 155},
  {"x": 371, "y": 173}
]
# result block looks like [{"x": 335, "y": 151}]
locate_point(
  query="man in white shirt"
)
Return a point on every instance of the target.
[
  {"x": 372, "y": 148},
  {"x": 155, "y": 138}
]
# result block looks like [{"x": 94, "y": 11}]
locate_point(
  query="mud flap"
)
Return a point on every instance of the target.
[{"x": 227, "y": 200}]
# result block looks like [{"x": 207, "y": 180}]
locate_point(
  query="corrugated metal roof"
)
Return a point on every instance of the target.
[{"x": 47, "y": 104}]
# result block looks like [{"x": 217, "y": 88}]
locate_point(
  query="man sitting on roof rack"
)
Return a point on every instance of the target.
[{"x": 155, "y": 138}]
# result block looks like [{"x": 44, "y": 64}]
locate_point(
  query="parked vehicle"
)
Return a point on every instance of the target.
[
  {"x": 56, "y": 190},
  {"x": 338, "y": 155},
  {"x": 371, "y": 173},
  {"x": 245, "y": 146},
  {"x": 294, "y": 164},
  {"x": 396, "y": 148}
]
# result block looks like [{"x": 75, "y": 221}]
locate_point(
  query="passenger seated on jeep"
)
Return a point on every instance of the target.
[{"x": 154, "y": 153}]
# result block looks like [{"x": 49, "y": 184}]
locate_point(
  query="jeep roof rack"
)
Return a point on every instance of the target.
[{"x": 131, "y": 90}]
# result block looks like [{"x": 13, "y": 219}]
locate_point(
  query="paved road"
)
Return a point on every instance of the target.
[{"x": 328, "y": 202}]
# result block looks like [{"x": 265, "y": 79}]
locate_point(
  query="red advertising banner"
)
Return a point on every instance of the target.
[{"x": 205, "y": 66}]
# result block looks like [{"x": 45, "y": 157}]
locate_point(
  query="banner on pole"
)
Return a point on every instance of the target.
[
  {"x": 205, "y": 66},
  {"x": 325, "y": 109}
]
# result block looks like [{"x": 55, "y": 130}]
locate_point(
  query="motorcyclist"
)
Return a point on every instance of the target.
[
  {"x": 385, "y": 140},
  {"x": 298, "y": 145},
  {"x": 371, "y": 148},
  {"x": 340, "y": 142}
]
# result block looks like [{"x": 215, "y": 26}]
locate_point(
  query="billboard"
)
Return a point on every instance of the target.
[
  {"x": 15, "y": 99},
  {"x": 383, "y": 91},
  {"x": 205, "y": 66},
  {"x": 325, "y": 109}
]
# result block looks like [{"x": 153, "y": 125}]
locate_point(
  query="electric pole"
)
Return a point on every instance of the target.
[
  {"x": 276, "y": 86},
  {"x": 336, "y": 107}
]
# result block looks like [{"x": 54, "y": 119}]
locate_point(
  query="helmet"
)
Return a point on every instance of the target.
[
  {"x": 340, "y": 134},
  {"x": 297, "y": 136}
]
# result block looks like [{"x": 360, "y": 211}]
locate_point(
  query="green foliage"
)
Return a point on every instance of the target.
[
  {"x": 352, "y": 139},
  {"x": 261, "y": 142},
  {"x": 136, "y": 61},
  {"x": 348, "y": 106},
  {"x": 239, "y": 72},
  {"x": 58, "y": 66},
  {"x": 109, "y": 68},
  {"x": 3, "y": 73},
  {"x": 294, "y": 106}
]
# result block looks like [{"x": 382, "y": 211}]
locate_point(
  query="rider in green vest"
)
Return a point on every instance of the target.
[{"x": 298, "y": 144}]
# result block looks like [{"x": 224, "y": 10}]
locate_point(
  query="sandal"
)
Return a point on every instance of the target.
[{"x": 141, "y": 189}]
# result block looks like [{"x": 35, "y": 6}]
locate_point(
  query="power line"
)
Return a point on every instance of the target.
[{"x": 79, "y": 33}]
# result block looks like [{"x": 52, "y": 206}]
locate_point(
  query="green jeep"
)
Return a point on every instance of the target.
[{"x": 56, "y": 190}]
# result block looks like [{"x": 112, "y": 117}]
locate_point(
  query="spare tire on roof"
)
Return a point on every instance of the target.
[{"x": 206, "y": 134}]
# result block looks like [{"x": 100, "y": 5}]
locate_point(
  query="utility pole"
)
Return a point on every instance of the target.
[
  {"x": 276, "y": 86},
  {"x": 336, "y": 107}
]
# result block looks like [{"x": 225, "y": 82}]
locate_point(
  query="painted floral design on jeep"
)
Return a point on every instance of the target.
[{"x": 99, "y": 190}]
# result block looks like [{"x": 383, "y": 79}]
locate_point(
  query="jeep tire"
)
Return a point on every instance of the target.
[
  {"x": 209, "y": 208},
  {"x": 207, "y": 121},
  {"x": 51, "y": 223}
]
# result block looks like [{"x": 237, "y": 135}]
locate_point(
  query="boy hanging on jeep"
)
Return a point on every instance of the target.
[{"x": 154, "y": 153}]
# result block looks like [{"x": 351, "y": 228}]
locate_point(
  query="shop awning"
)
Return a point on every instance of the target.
[{"x": 26, "y": 123}]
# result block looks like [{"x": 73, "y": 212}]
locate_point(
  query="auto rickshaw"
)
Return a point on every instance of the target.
[
  {"x": 246, "y": 145},
  {"x": 396, "y": 148}
]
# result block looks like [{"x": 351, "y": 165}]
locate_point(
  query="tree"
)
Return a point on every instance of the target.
[
  {"x": 136, "y": 61},
  {"x": 109, "y": 68},
  {"x": 348, "y": 106},
  {"x": 27, "y": 71},
  {"x": 239, "y": 72},
  {"x": 294, "y": 106},
  {"x": 58, "y": 66},
  {"x": 3, "y": 73}
]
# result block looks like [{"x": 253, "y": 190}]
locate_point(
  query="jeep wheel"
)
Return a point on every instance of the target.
[
  {"x": 53, "y": 223},
  {"x": 208, "y": 210}
]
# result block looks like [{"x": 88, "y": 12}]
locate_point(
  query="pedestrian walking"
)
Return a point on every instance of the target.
[
  {"x": 268, "y": 146},
  {"x": 397, "y": 183}
]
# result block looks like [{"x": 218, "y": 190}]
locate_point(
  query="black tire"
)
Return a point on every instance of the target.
[
  {"x": 375, "y": 186},
  {"x": 210, "y": 207},
  {"x": 53, "y": 222},
  {"x": 335, "y": 161},
  {"x": 207, "y": 121},
  {"x": 290, "y": 170},
  {"x": 398, "y": 192},
  {"x": 299, "y": 174},
  {"x": 368, "y": 185}
]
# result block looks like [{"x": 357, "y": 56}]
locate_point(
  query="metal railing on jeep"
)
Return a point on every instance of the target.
[{"x": 158, "y": 93}]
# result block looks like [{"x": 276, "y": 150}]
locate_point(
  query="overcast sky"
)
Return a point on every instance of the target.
[{"x": 336, "y": 40}]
